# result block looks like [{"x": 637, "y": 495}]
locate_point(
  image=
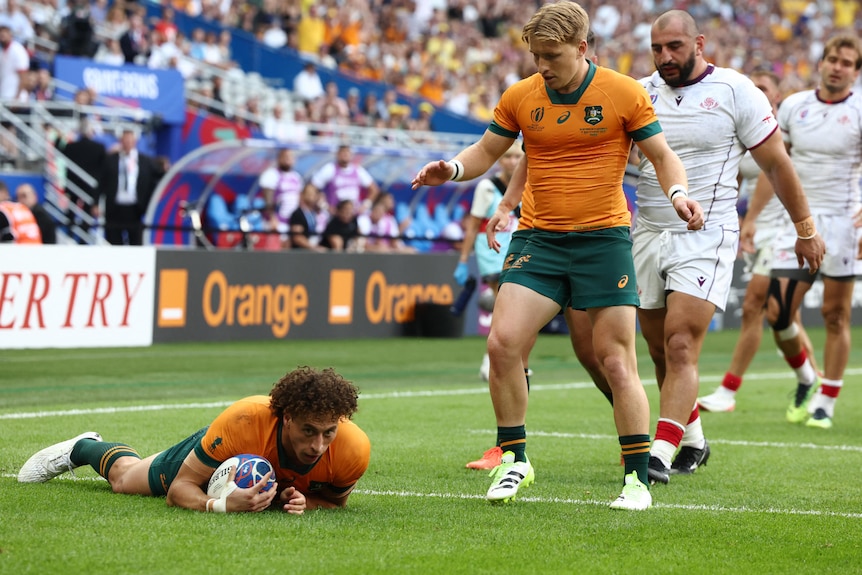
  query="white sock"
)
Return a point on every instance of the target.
[
  {"x": 805, "y": 373},
  {"x": 824, "y": 402},
  {"x": 693, "y": 436},
  {"x": 664, "y": 450}
]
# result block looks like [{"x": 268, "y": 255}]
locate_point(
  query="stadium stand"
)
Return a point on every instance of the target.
[{"x": 453, "y": 56}]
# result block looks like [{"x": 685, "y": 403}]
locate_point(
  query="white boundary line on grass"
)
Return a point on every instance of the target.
[{"x": 557, "y": 500}]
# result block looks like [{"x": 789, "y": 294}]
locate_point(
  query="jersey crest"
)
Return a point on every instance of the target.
[{"x": 593, "y": 115}]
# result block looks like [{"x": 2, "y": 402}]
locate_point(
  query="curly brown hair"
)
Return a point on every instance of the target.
[{"x": 309, "y": 392}]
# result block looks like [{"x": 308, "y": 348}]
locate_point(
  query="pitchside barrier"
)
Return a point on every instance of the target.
[{"x": 109, "y": 296}]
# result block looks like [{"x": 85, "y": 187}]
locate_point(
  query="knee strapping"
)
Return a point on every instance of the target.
[
  {"x": 783, "y": 322},
  {"x": 789, "y": 332}
]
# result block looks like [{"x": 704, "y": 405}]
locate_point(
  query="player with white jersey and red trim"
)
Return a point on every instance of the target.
[
  {"x": 710, "y": 116},
  {"x": 762, "y": 222},
  {"x": 822, "y": 129}
]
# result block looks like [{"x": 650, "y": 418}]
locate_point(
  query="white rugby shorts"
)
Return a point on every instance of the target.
[
  {"x": 697, "y": 263},
  {"x": 842, "y": 243}
]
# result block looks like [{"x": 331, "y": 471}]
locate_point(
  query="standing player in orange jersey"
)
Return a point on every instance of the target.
[{"x": 578, "y": 122}]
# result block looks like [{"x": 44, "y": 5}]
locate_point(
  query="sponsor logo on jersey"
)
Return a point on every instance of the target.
[
  {"x": 593, "y": 115},
  {"x": 563, "y": 117},
  {"x": 623, "y": 282}
]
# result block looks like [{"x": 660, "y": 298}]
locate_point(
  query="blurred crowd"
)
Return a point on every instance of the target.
[
  {"x": 457, "y": 54},
  {"x": 454, "y": 54}
]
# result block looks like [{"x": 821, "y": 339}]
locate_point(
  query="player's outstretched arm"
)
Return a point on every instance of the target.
[{"x": 469, "y": 163}]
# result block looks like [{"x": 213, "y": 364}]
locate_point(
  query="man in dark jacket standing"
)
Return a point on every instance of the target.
[{"x": 127, "y": 184}]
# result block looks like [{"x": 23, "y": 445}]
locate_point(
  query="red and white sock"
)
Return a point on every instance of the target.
[
  {"x": 693, "y": 436},
  {"x": 805, "y": 373},
  {"x": 730, "y": 383},
  {"x": 826, "y": 396},
  {"x": 668, "y": 434}
]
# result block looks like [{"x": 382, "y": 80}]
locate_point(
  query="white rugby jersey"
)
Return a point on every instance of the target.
[
  {"x": 709, "y": 123},
  {"x": 826, "y": 149},
  {"x": 773, "y": 213}
]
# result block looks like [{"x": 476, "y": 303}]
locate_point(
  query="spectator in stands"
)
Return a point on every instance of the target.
[
  {"x": 343, "y": 179},
  {"x": 311, "y": 31},
  {"x": 225, "y": 52},
  {"x": 331, "y": 107},
  {"x": 307, "y": 85},
  {"x": 422, "y": 122},
  {"x": 273, "y": 35},
  {"x": 78, "y": 32},
  {"x": 17, "y": 224},
  {"x": 43, "y": 91},
  {"x": 390, "y": 98},
  {"x": 250, "y": 117},
  {"x": 135, "y": 41},
  {"x": 15, "y": 63},
  {"x": 26, "y": 194},
  {"x": 378, "y": 229},
  {"x": 303, "y": 224},
  {"x": 127, "y": 184},
  {"x": 370, "y": 111},
  {"x": 355, "y": 112},
  {"x": 116, "y": 23},
  {"x": 19, "y": 22},
  {"x": 342, "y": 230},
  {"x": 278, "y": 126},
  {"x": 91, "y": 157},
  {"x": 110, "y": 53},
  {"x": 281, "y": 186},
  {"x": 197, "y": 44},
  {"x": 14, "y": 71}
]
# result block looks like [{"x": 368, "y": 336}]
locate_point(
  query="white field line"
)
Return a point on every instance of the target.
[
  {"x": 366, "y": 396},
  {"x": 563, "y": 501}
]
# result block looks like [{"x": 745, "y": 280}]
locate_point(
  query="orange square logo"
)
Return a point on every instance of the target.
[
  {"x": 341, "y": 296},
  {"x": 173, "y": 291}
]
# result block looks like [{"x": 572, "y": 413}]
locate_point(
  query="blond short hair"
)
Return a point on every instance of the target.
[{"x": 563, "y": 22}]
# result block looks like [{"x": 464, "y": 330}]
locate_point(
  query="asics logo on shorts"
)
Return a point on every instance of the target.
[
  {"x": 508, "y": 263},
  {"x": 623, "y": 282}
]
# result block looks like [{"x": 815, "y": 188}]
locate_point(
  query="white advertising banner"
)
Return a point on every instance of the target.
[{"x": 76, "y": 296}]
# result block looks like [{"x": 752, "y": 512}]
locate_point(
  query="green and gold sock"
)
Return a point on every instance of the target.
[
  {"x": 513, "y": 439},
  {"x": 635, "y": 449},
  {"x": 100, "y": 455}
]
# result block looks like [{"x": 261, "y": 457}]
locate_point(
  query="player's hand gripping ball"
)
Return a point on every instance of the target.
[{"x": 250, "y": 469}]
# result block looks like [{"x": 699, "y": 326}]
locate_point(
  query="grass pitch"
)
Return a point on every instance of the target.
[{"x": 774, "y": 498}]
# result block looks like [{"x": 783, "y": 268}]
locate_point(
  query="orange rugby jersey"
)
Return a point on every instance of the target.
[
  {"x": 248, "y": 426},
  {"x": 577, "y": 146}
]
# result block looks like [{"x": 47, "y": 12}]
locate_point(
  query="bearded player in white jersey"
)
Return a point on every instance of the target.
[
  {"x": 822, "y": 129},
  {"x": 710, "y": 116}
]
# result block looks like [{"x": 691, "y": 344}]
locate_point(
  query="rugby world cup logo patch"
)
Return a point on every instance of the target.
[{"x": 593, "y": 115}]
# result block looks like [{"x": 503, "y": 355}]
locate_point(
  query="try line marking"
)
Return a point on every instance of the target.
[{"x": 386, "y": 395}]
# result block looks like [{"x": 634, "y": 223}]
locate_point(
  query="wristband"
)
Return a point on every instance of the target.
[
  {"x": 459, "y": 171},
  {"x": 220, "y": 504},
  {"x": 207, "y": 507},
  {"x": 675, "y": 190},
  {"x": 805, "y": 229}
]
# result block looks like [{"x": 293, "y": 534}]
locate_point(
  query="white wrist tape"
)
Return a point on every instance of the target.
[
  {"x": 676, "y": 190},
  {"x": 220, "y": 504},
  {"x": 459, "y": 170}
]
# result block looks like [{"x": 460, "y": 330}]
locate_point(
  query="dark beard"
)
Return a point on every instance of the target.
[{"x": 684, "y": 73}]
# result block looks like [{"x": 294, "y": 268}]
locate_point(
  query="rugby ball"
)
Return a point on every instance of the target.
[{"x": 250, "y": 469}]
